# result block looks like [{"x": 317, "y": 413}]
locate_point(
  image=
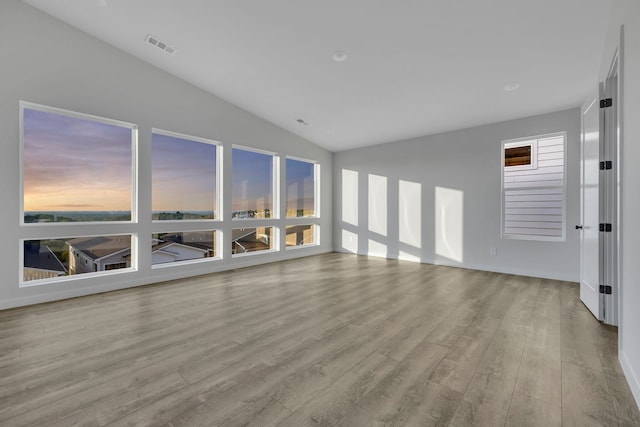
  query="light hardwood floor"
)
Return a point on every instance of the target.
[{"x": 326, "y": 340}]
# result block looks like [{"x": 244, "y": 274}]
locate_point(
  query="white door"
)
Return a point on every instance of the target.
[{"x": 590, "y": 269}]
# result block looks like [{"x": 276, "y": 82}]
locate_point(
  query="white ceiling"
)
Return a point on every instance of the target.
[{"x": 414, "y": 67}]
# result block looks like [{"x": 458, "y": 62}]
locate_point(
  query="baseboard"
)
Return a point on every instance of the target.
[
  {"x": 179, "y": 272},
  {"x": 41, "y": 298},
  {"x": 483, "y": 267},
  {"x": 630, "y": 374},
  {"x": 514, "y": 271}
]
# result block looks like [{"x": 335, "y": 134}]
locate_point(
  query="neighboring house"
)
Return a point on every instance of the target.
[
  {"x": 250, "y": 240},
  {"x": 40, "y": 262},
  {"x": 105, "y": 253},
  {"x": 89, "y": 254},
  {"x": 165, "y": 252}
]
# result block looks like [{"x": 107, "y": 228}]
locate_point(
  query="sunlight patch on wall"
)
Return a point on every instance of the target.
[
  {"x": 405, "y": 256},
  {"x": 377, "y": 249},
  {"x": 378, "y": 204},
  {"x": 349, "y": 241},
  {"x": 449, "y": 231},
  {"x": 410, "y": 213},
  {"x": 350, "y": 197}
]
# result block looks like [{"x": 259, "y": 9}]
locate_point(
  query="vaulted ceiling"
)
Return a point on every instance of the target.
[{"x": 413, "y": 67}]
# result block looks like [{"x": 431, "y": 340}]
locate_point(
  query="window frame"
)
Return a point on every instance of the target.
[
  {"x": 70, "y": 230},
  {"x": 217, "y": 247},
  {"x": 141, "y": 229},
  {"x": 316, "y": 188},
  {"x": 316, "y": 237},
  {"x": 219, "y": 208},
  {"x": 84, "y": 116},
  {"x": 275, "y": 241},
  {"x": 134, "y": 246},
  {"x": 275, "y": 183},
  {"x": 521, "y": 142}
]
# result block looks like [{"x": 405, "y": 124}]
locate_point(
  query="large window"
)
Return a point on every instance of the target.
[
  {"x": 184, "y": 184},
  {"x": 301, "y": 188},
  {"x": 533, "y": 188},
  {"x": 79, "y": 199},
  {"x": 253, "y": 184},
  {"x": 76, "y": 168}
]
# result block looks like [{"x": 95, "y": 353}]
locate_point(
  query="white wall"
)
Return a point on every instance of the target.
[
  {"x": 48, "y": 62},
  {"x": 627, "y": 13},
  {"x": 442, "y": 201}
]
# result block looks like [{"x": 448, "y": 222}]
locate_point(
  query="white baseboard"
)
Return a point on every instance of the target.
[
  {"x": 483, "y": 267},
  {"x": 630, "y": 374},
  {"x": 49, "y": 292}
]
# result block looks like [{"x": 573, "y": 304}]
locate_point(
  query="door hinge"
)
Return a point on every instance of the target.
[
  {"x": 605, "y": 227},
  {"x": 606, "y": 165},
  {"x": 606, "y": 290},
  {"x": 605, "y": 103}
]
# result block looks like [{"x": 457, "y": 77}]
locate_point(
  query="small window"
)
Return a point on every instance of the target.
[
  {"x": 533, "y": 188},
  {"x": 517, "y": 156},
  {"x": 300, "y": 235},
  {"x": 520, "y": 155},
  {"x": 49, "y": 258},
  {"x": 248, "y": 240},
  {"x": 176, "y": 247}
]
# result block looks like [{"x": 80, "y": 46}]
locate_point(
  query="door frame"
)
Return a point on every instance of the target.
[{"x": 612, "y": 148}]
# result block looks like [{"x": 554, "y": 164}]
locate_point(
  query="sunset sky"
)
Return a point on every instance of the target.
[
  {"x": 184, "y": 174},
  {"x": 252, "y": 180},
  {"x": 300, "y": 185},
  {"x": 75, "y": 164}
]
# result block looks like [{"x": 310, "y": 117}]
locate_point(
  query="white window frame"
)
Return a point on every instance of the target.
[
  {"x": 217, "y": 248},
  {"x": 316, "y": 188},
  {"x": 134, "y": 161},
  {"x": 316, "y": 237},
  {"x": 74, "y": 277},
  {"x": 521, "y": 142},
  {"x": 275, "y": 240},
  {"x": 70, "y": 230},
  {"x": 275, "y": 170},
  {"x": 219, "y": 174},
  {"x": 222, "y": 225}
]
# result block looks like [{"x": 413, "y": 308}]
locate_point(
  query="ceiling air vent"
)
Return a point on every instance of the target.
[{"x": 162, "y": 45}]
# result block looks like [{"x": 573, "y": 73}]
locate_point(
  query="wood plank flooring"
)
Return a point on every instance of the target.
[{"x": 329, "y": 340}]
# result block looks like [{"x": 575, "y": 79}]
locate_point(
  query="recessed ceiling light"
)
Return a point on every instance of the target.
[
  {"x": 102, "y": 3},
  {"x": 511, "y": 87},
  {"x": 302, "y": 122},
  {"x": 339, "y": 56}
]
